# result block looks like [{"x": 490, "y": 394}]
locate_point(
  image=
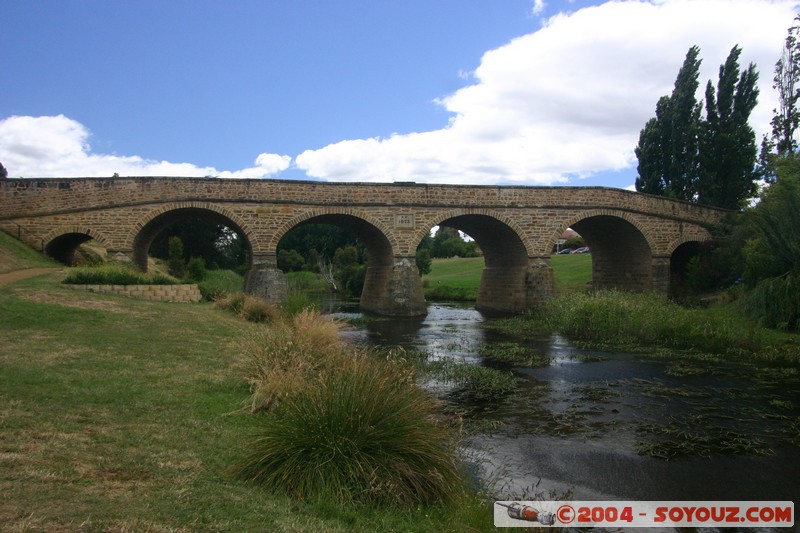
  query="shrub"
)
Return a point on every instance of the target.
[
  {"x": 219, "y": 282},
  {"x": 775, "y": 303},
  {"x": 196, "y": 270},
  {"x": 176, "y": 262},
  {"x": 360, "y": 432}
]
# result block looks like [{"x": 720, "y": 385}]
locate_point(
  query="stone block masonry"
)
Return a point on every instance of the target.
[
  {"x": 633, "y": 236},
  {"x": 156, "y": 293}
]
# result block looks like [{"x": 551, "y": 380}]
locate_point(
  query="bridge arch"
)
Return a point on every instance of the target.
[
  {"x": 621, "y": 248},
  {"x": 392, "y": 280},
  {"x": 361, "y": 224},
  {"x": 681, "y": 251},
  {"x": 62, "y": 242},
  {"x": 505, "y": 279},
  {"x": 149, "y": 226}
]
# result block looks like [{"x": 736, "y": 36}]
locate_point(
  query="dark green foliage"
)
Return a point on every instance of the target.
[
  {"x": 786, "y": 119},
  {"x": 350, "y": 270},
  {"x": 775, "y": 302},
  {"x": 424, "y": 261},
  {"x": 176, "y": 263},
  {"x": 448, "y": 243},
  {"x": 772, "y": 255},
  {"x": 290, "y": 260},
  {"x": 710, "y": 161},
  {"x": 667, "y": 149},
  {"x": 3, "y": 172},
  {"x": 727, "y": 142},
  {"x": 218, "y": 245},
  {"x": 196, "y": 270},
  {"x": 775, "y": 222},
  {"x": 217, "y": 283},
  {"x": 315, "y": 242},
  {"x": 719, "y": 263}
]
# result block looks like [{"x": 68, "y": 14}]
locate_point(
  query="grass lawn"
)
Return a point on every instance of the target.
[
  {"x": 125, "y": 415},
  {"x": 571, "y": 272},
  {"x": 15, "y": 255}
]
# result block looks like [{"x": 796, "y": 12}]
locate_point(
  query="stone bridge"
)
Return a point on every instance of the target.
[{"x": 636, "y": 239}]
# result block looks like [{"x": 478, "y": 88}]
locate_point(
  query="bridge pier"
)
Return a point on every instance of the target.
[
  {"x": 516, "y": 288},
  {"x": 265, "y": 280},
  {"x": 660, "y": 274},
  {"x": 394, "y": 290}
]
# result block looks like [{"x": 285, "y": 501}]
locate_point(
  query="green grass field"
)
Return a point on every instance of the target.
[
  {"x": 463, "y": 275},
  {"x": 15, "y": 255},
  {"x": 125, "y": 415}
]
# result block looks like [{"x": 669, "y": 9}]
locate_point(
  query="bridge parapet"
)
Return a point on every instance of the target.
[{"x": 25, "y": 197}]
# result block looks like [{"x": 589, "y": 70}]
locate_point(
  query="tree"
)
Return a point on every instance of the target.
[
  {"x": 220, "y": 246},
  {"x": 317, "y": 242},
  {"x": 3, "y": 172},
  {"x": 176, "y": 263},
  {"x": 786, "y": 119},
  {"x": 668, "y": 144},
  {"x": 727, "y": 142},
  {"x": 424, "y": 261}
]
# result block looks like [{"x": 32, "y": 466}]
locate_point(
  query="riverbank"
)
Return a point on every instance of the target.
[{"x": 129, "y": 415}]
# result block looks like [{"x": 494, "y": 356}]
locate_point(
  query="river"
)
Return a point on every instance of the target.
[{"x": 593, "y": 425}]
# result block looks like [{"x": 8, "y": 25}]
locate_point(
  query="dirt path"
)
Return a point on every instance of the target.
[{"x": 17, "y": 275}]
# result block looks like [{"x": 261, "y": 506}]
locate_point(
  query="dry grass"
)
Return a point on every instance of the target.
[{"x": 281, "y": 359}]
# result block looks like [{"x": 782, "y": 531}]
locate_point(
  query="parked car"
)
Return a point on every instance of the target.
[
  {"x": 582, "y": 250},
  {"x": 565, "y": 251}
]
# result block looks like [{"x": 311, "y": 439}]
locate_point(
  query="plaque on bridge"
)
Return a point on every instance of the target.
[{"x": 404, "y": 221}]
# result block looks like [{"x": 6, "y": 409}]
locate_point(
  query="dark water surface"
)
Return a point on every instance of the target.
[{"x": 583, "y": 422}]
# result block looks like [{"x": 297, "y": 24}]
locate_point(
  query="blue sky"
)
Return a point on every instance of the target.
[{"x": 442, "y": 91}]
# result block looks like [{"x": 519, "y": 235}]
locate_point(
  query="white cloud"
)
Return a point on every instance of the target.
[
  {"x": 570, "y": 99},
  {"x": 58, "y": 146}
]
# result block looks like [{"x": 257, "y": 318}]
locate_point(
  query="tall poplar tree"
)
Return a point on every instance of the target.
[
  {"x": 787, "y": 82},
  {"x": 727, "y": 142},
  {"x": 781, "y": 143},
  {"x": 668, "y": 144}
]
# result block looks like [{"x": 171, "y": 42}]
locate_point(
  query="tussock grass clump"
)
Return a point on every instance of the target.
[
  {"x": 247, "y": 307},
  {"x": 116, "y": 274},
  {"x": 288, "y": 355},
  {"x": 360, "y": 432},
  {"x": 341, "y": 424}
]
